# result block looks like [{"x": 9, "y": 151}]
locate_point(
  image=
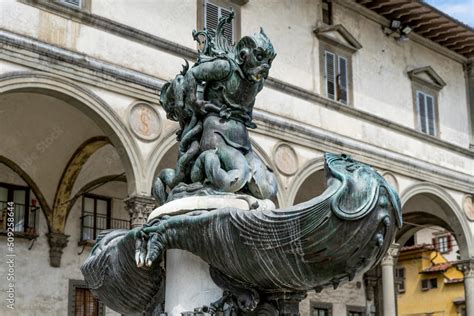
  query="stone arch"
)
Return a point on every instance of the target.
[
  {"x": 449, "y": 216},
  {"x": 308, "y": 169},
  {"x": 63, "y": 199},
  {"x": 92, "y": 106},
  {"x": 157, "y": 155},
  {"x": 46, "y": 209}
]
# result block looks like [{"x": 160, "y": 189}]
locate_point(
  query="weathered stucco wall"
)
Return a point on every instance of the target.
[
  {"x": 381, "y": 84},
  {"x": 349, "y": 294}
]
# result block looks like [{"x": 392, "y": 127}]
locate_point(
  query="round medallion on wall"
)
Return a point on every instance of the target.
[
  {"x": 285, "y": 159},
  {"x": 468, "y": 206},
  {"x": 144, "y": 121}
]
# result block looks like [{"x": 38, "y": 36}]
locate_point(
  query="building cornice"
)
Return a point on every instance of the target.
[
  {"x": 35, "y": 54},
  {"x": 291, "y": 131},
  {"x": 156, "y": 42},
  {"x": 32, "y": 53},
  {"x": 363, "y": 115},
  {"x": 371, "y": 15}
]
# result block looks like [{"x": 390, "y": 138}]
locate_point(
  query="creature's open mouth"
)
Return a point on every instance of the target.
[{"x": 256, "y": 77}]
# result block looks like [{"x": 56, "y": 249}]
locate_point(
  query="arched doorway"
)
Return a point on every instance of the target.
[
  {"x": 308, "y": 183},
  {"x": 426, "y": 276}
]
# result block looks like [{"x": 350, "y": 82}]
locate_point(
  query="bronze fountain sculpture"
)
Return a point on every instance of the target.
[{"x": 259, "y": 257}]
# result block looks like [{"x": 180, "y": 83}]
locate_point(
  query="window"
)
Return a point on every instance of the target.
[
  {"x": 425, "y": 105},
  {"x": 82, "y": 302},
  {"x": 320, "y": 309},
  {"x": 428, "y": 284},
  {"x": 355, "y": 310},
  {"x": 327, "y": 11},
  {"x": 25, "y": 216},
  {"x": 337, "y": 47},
  {"x": 426, "y": 84},
  {"x": 443, "y": 243},
  {"x": 335, "y": 73},
  {"x": 72, "y": 3},
  {"x": 320, "y": 312},
  {"x": 400, "y": 279},
  {"x": 210, "y": 11},
  {"x": 95, "y": 216}
]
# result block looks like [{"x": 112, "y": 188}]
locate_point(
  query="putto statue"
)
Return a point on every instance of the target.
[
  {"x": 261, "y": 257},
  {"x": 213, "y": 103}
]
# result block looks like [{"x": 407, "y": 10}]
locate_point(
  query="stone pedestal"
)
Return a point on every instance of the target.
[{"x": 188, "y": 283}]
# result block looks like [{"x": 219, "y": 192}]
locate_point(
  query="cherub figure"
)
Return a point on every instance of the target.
[{"x": 213, "y": 102}]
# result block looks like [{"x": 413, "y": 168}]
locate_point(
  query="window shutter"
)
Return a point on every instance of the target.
[
  {"x": 329, "y": 60},
  {"x": 430, "y": 115},
  {"x": 342, "y": 81},
  {"x": 75, "y": 3},
  {"x": 433, "y": 241},
  {"x": 228, "y": 28},
  {"x": 421, "y": 111},
  {"x": 211, "y": 17},
  {"x": 450, "y": 243}
]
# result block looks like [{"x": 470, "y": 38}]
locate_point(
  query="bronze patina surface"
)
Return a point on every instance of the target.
[{"x": 264, "y": 260}]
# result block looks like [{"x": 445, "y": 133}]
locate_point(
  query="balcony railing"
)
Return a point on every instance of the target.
[
  {"x": 24, "y": 223},
  {"x": 92, "y": 224}
]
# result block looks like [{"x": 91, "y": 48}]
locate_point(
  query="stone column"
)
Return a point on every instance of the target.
[
  {"x": 57, "y": 242},
  {"x": 139, "y": 207},
  {"x": 467, "y": 267},
  {"x": 370, "y": 284},
  {"x": 388, "y": 281}
]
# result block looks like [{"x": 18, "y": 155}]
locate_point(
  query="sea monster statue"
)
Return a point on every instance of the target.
[
  {"x": 213, "y": 103},
  {"x": 261, "y": 258}
]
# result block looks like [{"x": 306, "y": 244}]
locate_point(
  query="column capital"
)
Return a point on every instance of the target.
[
  {"x": 467, "y": 267},
  {"x": 139, "y": 207},
  {"x": 57, "y": 242},
  {"x": 392, "y": 252}
]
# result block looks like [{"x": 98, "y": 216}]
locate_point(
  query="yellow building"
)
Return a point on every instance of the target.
[{"x": 428, "y": 283}]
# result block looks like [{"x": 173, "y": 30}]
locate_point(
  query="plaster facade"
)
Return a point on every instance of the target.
[{"x": 67, "y": 76}]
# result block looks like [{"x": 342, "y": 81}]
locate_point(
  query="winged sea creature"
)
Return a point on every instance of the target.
[{"x": 252, "y": 254}]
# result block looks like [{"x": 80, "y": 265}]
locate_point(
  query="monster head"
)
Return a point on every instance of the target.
[
  {"x": 255, "y": 55},
  {"x": 360, "y": 190}
]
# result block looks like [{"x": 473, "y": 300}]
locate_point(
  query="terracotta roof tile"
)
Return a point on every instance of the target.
[
  {"x": 440, "y": 267},
  {"x": 417, "y": 247}
]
